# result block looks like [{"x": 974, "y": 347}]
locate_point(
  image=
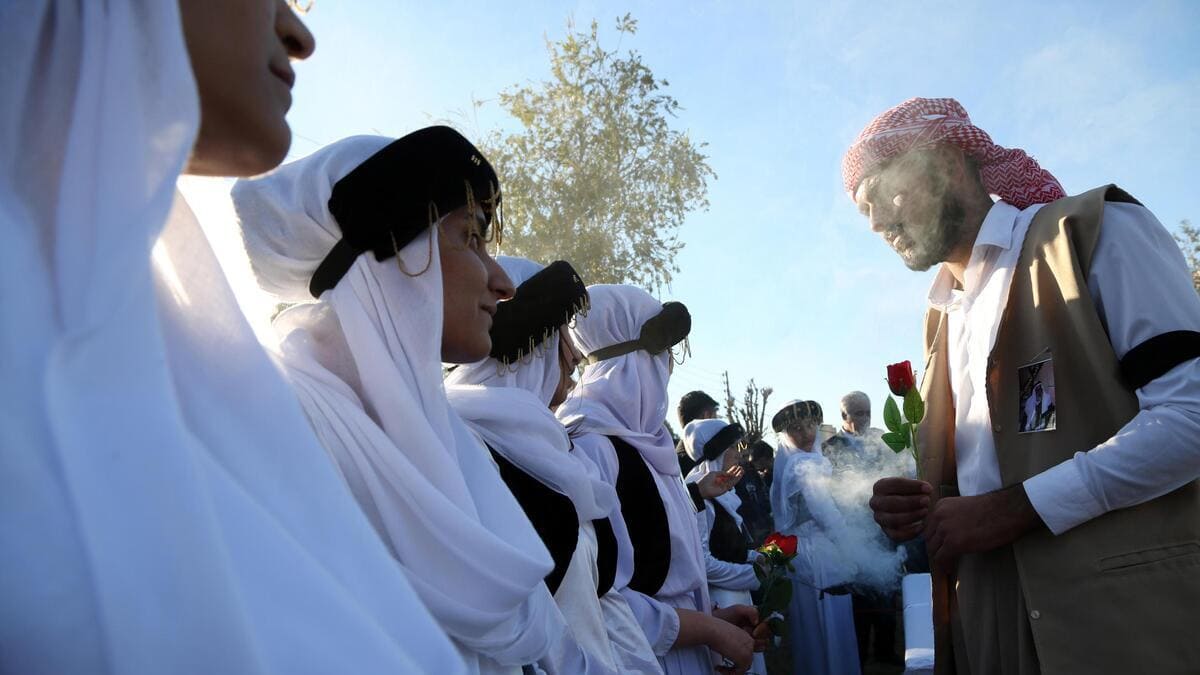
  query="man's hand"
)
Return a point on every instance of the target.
[
  {"x": 959, "y": 525},
  {"x": 900, "y": 504},
  {"x": 714, "y": 484}
]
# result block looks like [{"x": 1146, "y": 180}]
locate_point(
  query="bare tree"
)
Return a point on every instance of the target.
[{"x": 752, "y": 412}]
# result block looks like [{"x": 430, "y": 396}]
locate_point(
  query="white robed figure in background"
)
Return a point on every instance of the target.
[
  {"x": 820, "y": 625},
  {"x": 616, "y": 417},
  {"x": 729, "y": 552}
]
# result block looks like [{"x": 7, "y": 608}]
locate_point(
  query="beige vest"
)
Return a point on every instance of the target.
[{"x": 1120, "y": 593}]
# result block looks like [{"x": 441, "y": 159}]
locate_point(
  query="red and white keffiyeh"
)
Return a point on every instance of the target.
[{"x": 1007, "y": 173}]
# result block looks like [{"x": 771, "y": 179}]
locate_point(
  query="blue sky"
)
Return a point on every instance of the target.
[{"x": 785, "y": 282}]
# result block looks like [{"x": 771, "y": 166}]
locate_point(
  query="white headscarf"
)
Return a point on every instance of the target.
[
  {"x": 508, "y": 406},
  {"x": 366, "y": 362},
  {"x": 695, "y": 435},
  {"x": 625, "y": 396},
  {"x": 165, "y": 507}
]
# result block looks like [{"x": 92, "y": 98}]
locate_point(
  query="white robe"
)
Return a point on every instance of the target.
[{"x": 820, "y": 626}]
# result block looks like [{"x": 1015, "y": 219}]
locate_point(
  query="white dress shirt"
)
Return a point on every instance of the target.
[{"x": 1141, "y": 286}]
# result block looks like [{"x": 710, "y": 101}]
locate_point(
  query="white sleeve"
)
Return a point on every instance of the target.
[
  {"x": 659, "y": 621},
  {"x": 1142, "y": 288},
  {"x": 731, "y": 576}
]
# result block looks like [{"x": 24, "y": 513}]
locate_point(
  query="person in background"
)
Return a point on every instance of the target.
[
  {"x": 615, "y": 417},
  {"x": 820, "y": 623},
  {"x": 694, "y": 405},
  {"x": 754, "y": 490},
  {"x": 856, "y": 448},
  {"x": 729, "y": 552}
]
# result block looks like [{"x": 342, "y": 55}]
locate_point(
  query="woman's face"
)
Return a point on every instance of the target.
[
  {"x": 472, "y": 284},
  {"x": 241, "y": 52},
  {"x": 803, "y": 433},
  {"x": 731, "y": 457},
  {"x": 569, "y": 358}
]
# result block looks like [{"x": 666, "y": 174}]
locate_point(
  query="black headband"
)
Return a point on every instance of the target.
[
  {"x": 660, "y": 332},
  {"x": 542, "y": 303},
  {"x": 795, "y": 412},
  {"x": 721, "y": 441},
  {"x": 385, "y": 202}
]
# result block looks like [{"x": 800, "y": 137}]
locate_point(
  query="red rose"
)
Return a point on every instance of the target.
[
  {"x": 786, "y": 544},
  {"x": 900, "y": 378}
]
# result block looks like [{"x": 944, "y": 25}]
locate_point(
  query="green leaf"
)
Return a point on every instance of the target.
[
  {"x": 891, "y": 415},
  {"x": 777, "y": 626},
  {"x": 914, "y": 407},
  {"x": 759, "y": 574},
  {"x": 895, "y": 441}
]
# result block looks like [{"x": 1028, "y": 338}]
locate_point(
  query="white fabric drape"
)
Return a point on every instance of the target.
[
  {"x": 365, "y": 361},
  {"x": 627, "y": 397},
  {"x": 166, "y": 508},
  {"x": 624, "y": 396},
  {"x": 821, "y": 626}
]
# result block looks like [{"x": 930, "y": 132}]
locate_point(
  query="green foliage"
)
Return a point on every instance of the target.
[
  {"x": 891, "y": 415},
  {"x": 596, "y": 175},
  {"x": 895, "y": 441},
  {"x": 1189, "y": 240},
  {"x": 914, "y": 407}
]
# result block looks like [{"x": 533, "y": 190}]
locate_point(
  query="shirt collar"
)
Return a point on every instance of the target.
[{"x": 996, "y": 232}]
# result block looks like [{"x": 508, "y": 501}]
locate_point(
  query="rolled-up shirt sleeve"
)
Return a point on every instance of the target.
[
  {"x": 659, "y": 621},
  {"x": 1142, "y": 288}
]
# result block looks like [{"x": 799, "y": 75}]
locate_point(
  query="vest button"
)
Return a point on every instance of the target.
[
  {"x": 1035, "y": 614},
  {"x": 997, "y": 428}
]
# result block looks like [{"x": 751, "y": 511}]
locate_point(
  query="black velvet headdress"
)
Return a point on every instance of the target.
[
  {"x": 542, "y": 303},
  {"x": 796, "y": 412},
  {"x": 720, "y": 442},
  {"x": 385, "y": 202},
  {"x": 660, "y": 332}
]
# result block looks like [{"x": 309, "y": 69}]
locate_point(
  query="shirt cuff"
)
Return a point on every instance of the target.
[
  {"x": 1061, "y": 498},
  {"x": 668, "y": 635}
]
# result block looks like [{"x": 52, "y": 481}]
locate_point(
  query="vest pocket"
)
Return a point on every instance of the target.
[{"x": 1136, "y": 559}]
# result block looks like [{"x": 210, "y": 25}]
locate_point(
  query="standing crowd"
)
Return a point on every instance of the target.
[{"x": 459, "y": 463}]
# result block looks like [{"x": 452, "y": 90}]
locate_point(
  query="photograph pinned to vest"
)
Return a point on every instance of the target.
[{"x": 1036, "y": 409}]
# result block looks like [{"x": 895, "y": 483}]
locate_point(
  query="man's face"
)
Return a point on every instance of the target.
[
  {"x": 915, "y": 206},
  {"x": 762, "y": 464},
  {"x": 856, "y": 417}
]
